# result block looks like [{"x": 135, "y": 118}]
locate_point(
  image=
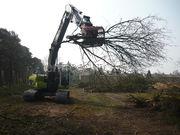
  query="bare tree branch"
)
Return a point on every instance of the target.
[{"x": 131, "y": 44}]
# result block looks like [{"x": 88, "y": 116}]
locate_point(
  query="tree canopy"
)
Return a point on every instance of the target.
[{"x": 16, "y": 60}]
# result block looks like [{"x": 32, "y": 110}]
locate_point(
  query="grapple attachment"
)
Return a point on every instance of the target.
[{"x": 90, "y": 36}]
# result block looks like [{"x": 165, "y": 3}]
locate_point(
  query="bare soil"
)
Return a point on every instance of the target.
[{"x": 87, "y": 114}]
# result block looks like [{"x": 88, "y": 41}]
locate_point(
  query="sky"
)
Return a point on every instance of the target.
[{"x": 36, "y": 23}]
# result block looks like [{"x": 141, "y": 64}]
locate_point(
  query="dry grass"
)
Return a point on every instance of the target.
[{"x": 165, "y": 86}]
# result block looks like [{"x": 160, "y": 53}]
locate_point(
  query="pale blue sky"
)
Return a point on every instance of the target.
[{"x": 36, "y": 22}]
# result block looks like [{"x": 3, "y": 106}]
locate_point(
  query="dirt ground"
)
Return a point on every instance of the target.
[{"x": 88, "y": 114}]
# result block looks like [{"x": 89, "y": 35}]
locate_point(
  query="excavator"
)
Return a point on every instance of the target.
[{"x": 89, "y": 36}]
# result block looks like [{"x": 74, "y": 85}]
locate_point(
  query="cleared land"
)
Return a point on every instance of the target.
[{"x": 88, "y": 114}]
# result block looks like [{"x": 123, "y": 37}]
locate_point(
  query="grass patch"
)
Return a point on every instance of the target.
[
  {"x": 139, "y": 100},
  {"x": 167, "y": 103}
]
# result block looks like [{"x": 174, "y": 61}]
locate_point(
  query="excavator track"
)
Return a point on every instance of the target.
[{"x": 32, "y": 95}]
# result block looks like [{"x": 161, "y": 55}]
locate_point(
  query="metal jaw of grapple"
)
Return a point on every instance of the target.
[{"x": 89, "y": 37}]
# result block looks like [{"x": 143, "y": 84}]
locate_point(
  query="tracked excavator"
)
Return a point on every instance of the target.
[{"x": 89, "y": 36}]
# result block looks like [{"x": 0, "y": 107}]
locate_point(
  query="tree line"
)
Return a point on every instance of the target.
[{"x": 16, "y": 61}]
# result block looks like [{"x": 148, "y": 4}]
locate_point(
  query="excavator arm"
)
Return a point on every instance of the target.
[{"x": 56, "y": 44}]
